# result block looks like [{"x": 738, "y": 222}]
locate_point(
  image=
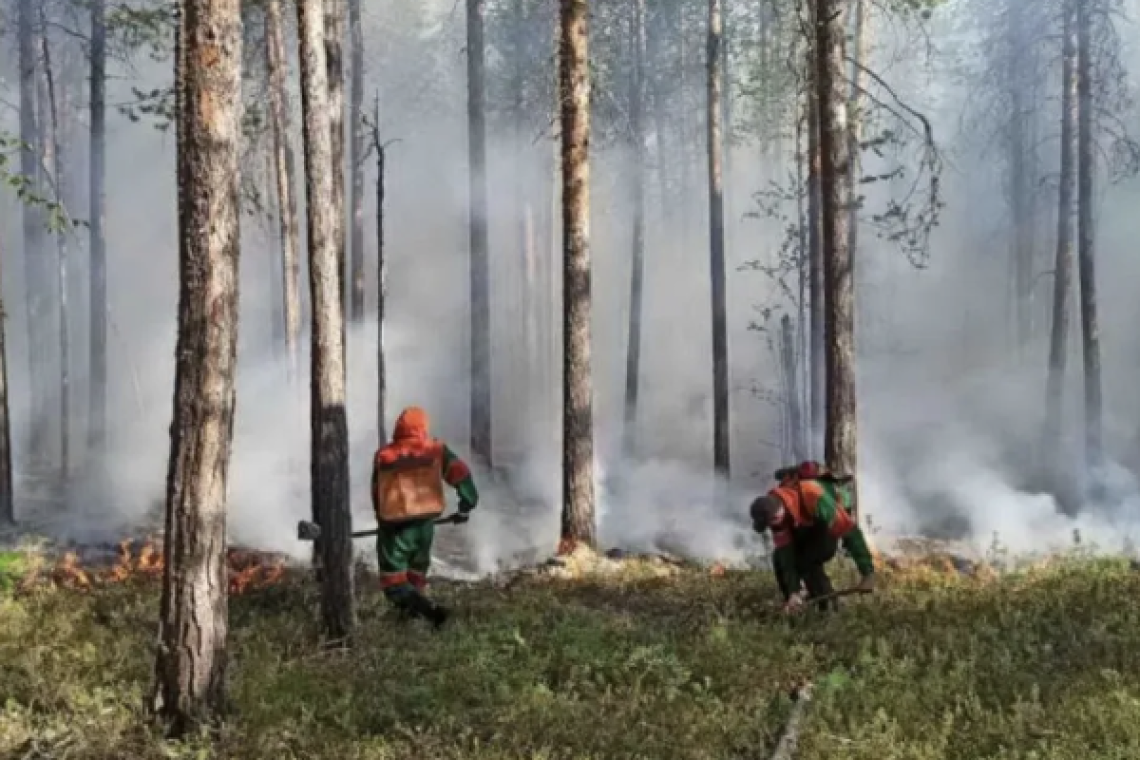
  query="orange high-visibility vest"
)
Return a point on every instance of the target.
[{"x": 801, "y": 500}]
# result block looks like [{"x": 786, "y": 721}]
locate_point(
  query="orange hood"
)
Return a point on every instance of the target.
[{"x": 412, "y": 425}]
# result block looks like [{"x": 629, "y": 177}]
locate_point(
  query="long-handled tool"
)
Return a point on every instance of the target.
[{"x": 310, "y": 531}]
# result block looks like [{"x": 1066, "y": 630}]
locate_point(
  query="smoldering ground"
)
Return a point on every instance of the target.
[{"x": 949, "y": 421}]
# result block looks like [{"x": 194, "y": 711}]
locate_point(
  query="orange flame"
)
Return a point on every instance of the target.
[{"x": 247, "y": 570}]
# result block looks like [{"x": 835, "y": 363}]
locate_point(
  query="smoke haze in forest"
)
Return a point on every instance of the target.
[{"x": 950, "y": 419}]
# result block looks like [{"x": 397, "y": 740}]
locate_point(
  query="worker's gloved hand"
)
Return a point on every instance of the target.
[
  {"x": 465, "y": 507},
  {"x": 866, "y": 583},
  {"x": 795, "y": 602},
  {"x": 459, "y": 518}
]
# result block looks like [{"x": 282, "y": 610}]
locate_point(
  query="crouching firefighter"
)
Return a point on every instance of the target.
[
  {"x": 407, "y": 493},
  {"x": 809, "y": 513}
]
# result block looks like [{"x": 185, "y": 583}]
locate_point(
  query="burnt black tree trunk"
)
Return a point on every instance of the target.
[{"x": 329, "y": 440}]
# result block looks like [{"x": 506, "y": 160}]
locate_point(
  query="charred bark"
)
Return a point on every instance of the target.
[
  {"x": 577, "y": 383},
  {"x": 481, "y": 441},
  {"x": 97, "y": 213},
  {"x": 356, "y": 132},
  {"x": 637, "y": 254},
  {"x": 283, "y": 165},
  {"x": 1063, "y": 265},
  {"x": 840, "y": 440},
  {"x": 329, "y": 452},
  {"x": 721, "y": 430},
  {"x": 190, "y": 665},
  {"x": 1086, "y": 255}
]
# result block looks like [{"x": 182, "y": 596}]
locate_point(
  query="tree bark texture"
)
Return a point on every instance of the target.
[
  {"x": 329, "y": 452},
  {"x": 481, "y": 441},
  {"x": 334, "y": 60},
  {"x": 356, "y": 132},
  {"x": 381, "y": 283},
  {"x": 284, "y": 164},
  {"x": 1086, "y": 255},
  {"x": 816, "y": 366},
  {"x": 7, "y": 481},
  {"x": 34, "y": 228},
  {"x": 1063, "y": 265},
  {"x": 577, "y": 383},
  {"x": 840, "y": 440},
  {"x": 54, "y": 163},
  {"x": 637, "y": 252},
  {"x": 791, "y": 388},
  {"x": 97, "y": 268},
  {"x": 721, "y": 430},
  {"x": 191, "y": 659},
  {"x": 859, "y": 82}
]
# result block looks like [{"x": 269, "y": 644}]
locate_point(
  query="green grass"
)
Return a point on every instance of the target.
[{"x": 1041, "y": 664}]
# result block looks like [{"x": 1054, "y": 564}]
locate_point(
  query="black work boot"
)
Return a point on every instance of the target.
[{"x": 425, "y": 608}]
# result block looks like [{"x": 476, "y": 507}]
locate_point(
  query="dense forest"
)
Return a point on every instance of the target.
[{"x": 631, "y": 255}]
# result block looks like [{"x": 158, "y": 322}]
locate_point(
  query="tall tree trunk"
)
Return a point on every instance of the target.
[
  {"x": 381, "y": 282},
  {"x": 7, "y": 482},
  {"x": 816, "y": 366},
  {"x": 54, "y": 164},
  {"x": 637, "y": 254},
  {"x": 577, "y": 382},
  {"x": 329, "y": 452},
  {"x": 788, "y": 357},
  {"x": 356, "y": 130},
  {"x": 1090, "y": 328},
  {"x": 721, "y": 430},
  {"x": 840, "y": 441},
  {"x": 1021, "y": 181},
  {"x": 34, "y": 228},
  {"x": 481, "y": 441},
  {"x": 283, "y": 164},
  {"x": 97, "y": 213},
  {"x": 190, "y": 666},
  {"x": 859, "y": 81},
  {"x": 1063, "y": 266},
  {"x": 334, "y": 60}
]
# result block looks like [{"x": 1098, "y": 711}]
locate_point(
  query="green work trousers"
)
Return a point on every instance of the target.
[{"x": 404, "y": 553}]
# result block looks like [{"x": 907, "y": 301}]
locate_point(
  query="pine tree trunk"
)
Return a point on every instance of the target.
[
  {"x": 34, "y": 229},
  {"x": 329, "y": 452},
  {"x": 284, "y": 164},
  {"x": 481, "y": 441},
  {"x": 577, "y": 383},
  {"x": 7, "y": 482},
  {"x": 190, "y": 665},
  {"x": 97, "y": 213},
  {"x": 356, "y": 130},
  {"x": 381, "y": 284},
  {"x": 859, "y": 82},
  {"x": 54, "y": 164},
  {"x": 1063, "y": 266},
  {"x": 721, "y": 431},
  {"x": 816, "y": 366},
  {"x": 1086, "y": 256},
  {"x": 840, "y": 440},
  {"x": 334, "y": 60},
  {"x": 637, "y": 254}
]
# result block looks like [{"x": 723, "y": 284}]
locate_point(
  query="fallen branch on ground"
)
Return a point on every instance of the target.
[{"x": 790, "y": 739}]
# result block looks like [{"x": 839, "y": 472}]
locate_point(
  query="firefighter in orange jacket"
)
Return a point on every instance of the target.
[
  {"x": 408, "y": 476},
  {"x": 809, "y": 514}
]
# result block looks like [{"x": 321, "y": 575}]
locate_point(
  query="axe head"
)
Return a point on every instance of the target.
[{"x": 308, "y": 531}]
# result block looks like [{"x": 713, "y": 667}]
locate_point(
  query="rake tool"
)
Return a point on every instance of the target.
[{"x": 310, "y": 531}]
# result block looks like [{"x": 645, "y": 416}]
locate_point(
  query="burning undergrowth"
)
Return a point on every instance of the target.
[{"x": 85, "y": 567}]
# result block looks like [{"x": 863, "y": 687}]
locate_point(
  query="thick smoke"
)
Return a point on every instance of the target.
[{"x": 950, "y": 422}]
